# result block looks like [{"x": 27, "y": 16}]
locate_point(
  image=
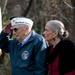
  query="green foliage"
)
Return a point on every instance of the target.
[{"x": 5, "y": 20}]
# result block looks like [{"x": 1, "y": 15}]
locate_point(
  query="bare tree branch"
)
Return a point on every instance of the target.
[
  {"x": 28, "y": 8},
  {"x": 65, "y": 19},
  {"x": 73, "y": 3},
  {"x": 5, "y": 5},
  {"x": 72, "y": 7}
]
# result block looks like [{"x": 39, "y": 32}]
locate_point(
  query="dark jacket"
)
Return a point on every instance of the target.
[
  {"x": 66, "y": 51},
  {"x": 28, "y": 59}
]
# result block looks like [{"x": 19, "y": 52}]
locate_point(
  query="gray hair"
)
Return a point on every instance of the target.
[{"x": 59, "y": 27}]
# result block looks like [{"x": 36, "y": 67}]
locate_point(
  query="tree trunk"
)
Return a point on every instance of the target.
[{"x": 73, "y": 4}]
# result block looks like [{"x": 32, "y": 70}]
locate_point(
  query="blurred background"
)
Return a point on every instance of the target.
[{"x": 40, "y": 11}]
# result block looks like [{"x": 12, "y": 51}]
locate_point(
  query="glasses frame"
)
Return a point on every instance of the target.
[{"x": 15, "y": 29}]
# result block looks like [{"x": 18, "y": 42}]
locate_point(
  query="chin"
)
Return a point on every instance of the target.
[{"x": 17, "y": 38}]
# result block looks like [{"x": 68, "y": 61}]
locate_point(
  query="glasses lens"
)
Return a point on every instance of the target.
[{"x": 15, "y": 29}]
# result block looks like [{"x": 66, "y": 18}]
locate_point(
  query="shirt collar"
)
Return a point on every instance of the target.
[{"x": 26, "y": 39}]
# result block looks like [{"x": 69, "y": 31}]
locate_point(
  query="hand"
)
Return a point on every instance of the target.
[{"x": 7, "y": 28}]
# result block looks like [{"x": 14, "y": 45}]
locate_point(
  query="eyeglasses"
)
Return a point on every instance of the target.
[{"x": 15, "y": 29}]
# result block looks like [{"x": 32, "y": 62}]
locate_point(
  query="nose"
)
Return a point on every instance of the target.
[{"x": 43, "y": 33}]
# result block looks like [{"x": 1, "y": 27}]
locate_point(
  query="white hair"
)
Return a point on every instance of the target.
[{"x": 59, "y": 26}]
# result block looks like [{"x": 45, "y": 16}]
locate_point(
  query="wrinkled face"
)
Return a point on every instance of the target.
[
  {"x": 49, "y": 34},
  {"x": 19, "y": 31}
]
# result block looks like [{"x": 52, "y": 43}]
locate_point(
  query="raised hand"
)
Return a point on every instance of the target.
[{"x": 7, "y": 28}]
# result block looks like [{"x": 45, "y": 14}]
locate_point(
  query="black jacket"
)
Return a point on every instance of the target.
[{"x": 66, "y": 51}]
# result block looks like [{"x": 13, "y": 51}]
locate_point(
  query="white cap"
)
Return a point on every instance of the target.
[{"x": 21, "y": 20}]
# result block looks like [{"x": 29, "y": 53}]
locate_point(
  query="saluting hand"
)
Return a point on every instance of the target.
[{"x": 7, "y": 28}]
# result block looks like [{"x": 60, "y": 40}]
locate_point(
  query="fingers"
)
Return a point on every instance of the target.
[{"x": 7, "y": 28}]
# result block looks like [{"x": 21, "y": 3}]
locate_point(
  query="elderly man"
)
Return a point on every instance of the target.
[{"x": 27, "y": 50}]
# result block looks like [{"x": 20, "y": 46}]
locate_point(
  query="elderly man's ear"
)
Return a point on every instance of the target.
[{"x": 7, "y": 28}]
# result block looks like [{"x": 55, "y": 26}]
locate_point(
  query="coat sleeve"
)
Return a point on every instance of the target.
[
  {"x": 67, "y": 58},
  {"x": 40, "y": 59},
  {"x": 3, "y": 41}
]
